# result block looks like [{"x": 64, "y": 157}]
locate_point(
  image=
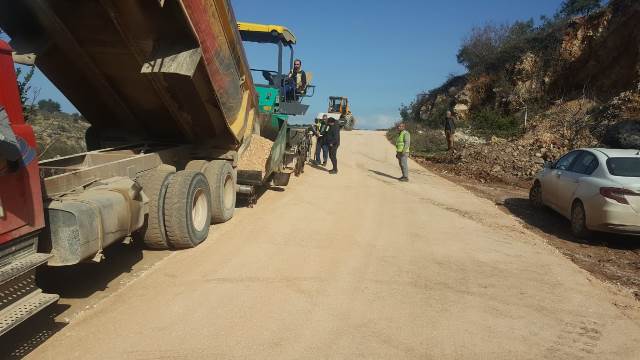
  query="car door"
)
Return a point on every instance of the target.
[
  {"x": 568, "y": 181},
  {"x": 551, "y": 181}
]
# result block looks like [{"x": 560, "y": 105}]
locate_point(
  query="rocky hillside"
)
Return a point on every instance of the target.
[
  {"x": 58, "y": 133},
  {"x": 575, "y": 80}
]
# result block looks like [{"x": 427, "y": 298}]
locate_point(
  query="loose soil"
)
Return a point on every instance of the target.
[{"x": 611, "y": 258}]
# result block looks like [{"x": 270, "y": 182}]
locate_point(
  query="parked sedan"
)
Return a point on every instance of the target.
[{"x": 597, "y": 189}]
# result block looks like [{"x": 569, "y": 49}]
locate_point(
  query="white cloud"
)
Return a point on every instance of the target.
[{"x": 379, "y": 121}]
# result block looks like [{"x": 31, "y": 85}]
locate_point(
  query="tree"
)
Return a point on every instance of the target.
[
  {"x": 49, "y": 106},
  {"x": 28, "y": 94},
  {"x": 405, "y": 112},
  {"x": 480, "y": 48},
  {"x": 491, "y": 48},
  {"x": 571, "y": 8}
]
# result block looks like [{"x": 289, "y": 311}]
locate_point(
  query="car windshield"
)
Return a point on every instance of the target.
[{"x": 624, "y": 166}]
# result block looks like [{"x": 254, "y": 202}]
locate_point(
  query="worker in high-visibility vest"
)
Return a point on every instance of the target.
[{"x": 403, "y": 142}]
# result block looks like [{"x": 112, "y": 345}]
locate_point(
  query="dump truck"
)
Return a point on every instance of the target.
[{"x": 168, "y": 92}]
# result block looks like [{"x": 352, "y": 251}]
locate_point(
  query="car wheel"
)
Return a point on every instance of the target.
[
  {"x": 579, "y": 220},
  {"x": 535, "y": 196}
]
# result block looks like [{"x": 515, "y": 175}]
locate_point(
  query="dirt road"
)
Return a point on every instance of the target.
[{"x": 359, "y": 265}]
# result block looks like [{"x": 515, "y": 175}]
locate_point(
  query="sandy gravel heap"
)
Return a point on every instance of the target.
[{"x": 255, "y": 156}]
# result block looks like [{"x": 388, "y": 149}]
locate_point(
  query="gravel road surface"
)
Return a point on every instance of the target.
[{"x": 360, "y": 266}]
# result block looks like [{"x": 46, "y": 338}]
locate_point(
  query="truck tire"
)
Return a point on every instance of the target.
[
  {"x": 196, "y": 165},
  {"x": 154, "y": 184},
  {"x": 222, "y": 179},
  {"x": 187, "y": 209}
]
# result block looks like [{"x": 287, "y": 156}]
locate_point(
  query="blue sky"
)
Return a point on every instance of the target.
[{"x": 378, "y": 53}]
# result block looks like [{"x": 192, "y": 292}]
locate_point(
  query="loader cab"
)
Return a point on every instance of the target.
[
  {"x": 272, "y": 95},
  {"x": 338, "y": 104}
]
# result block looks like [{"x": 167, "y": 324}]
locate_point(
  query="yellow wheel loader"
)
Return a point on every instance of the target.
[{"x": 340, "y": 111}]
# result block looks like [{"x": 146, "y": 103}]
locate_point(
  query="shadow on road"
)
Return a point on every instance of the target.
[
  {"x": 245, "y": 201},
  {"x": 26, "y": 337},
  {"x": 318, "y": 167},
  {"x": 85, "y": 279},
  {"x": 552, "y": 223},
  {"x": 379, "y": 173}
]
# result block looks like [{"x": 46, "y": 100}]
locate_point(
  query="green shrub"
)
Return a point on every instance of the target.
[
  {"x": 489, "y": 122},
  {"x": 49, "y": 105},
  {"x": 423, "y": 140}
]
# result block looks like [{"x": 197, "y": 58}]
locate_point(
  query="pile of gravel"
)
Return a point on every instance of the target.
[{"x": 255, "y": 155}]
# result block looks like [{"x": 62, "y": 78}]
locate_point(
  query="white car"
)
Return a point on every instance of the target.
[{"x": 597, "y": 189}]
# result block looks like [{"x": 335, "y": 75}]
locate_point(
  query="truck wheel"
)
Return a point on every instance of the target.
[
  {"x": 222, "y": 179},
  {"x": 154, "y": 184},
  {"x": 196, "y": 165},
  {"x": 187, "y": 209}
]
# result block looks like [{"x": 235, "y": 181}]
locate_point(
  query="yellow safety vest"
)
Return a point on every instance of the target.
[{"x": 400, "y": 142}]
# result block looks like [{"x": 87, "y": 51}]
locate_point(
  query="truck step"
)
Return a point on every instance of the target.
[
  {"x": 18, "y": 267},
  {"x": 18, "y": 312}
]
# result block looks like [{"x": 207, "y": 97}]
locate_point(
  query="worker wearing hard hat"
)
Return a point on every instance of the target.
[{"x": 403, "y": 142}]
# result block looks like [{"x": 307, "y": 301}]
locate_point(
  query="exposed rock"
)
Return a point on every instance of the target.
[
  {"x": 625, "y": 134},
  {"x": 600, "y": 53},
  {"x": 528, "y": 83},
  {"x": 462, "y": 111}
]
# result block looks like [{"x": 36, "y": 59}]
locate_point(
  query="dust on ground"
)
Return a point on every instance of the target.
[{"x": 610, "y": 257}]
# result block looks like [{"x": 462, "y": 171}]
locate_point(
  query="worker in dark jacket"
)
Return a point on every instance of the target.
[
  {"x": 297, "y": 80},
  {"x": 333, "y": 140},
  {"x": 449, "y": 129},
  {"x": 322, "y": 126}
]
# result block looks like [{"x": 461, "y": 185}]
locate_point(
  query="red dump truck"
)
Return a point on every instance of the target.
[{"x": 167, "y": 89}]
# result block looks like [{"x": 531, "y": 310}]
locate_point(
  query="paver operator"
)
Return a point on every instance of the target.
[{"x": 298, "y": 83}]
